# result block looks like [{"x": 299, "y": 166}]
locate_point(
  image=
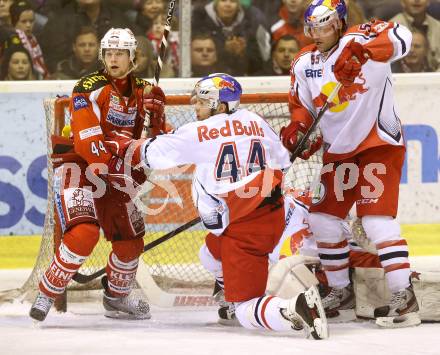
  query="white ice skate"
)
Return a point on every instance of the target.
[
  {"x": 402, "y": 311},
  {"x": 129, "y": 307},
  {"x": 306, "y": 309},
  {"x": 339, "y": 305},
  {"x": 41, "y": 307}
]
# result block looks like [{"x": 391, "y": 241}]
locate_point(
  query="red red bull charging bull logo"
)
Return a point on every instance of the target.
[
  {"x": 344, "y": 96},
  {"x": 221, "y": 83}
]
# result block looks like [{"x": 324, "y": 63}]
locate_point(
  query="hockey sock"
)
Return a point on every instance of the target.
[
  {"x": 77, "y": 245},
  {"x": 61, "y": 270},
  {"x": 120, "y": 275},
  {"x": 334, "y": 261},
  {"x": 393, "y": 256}
]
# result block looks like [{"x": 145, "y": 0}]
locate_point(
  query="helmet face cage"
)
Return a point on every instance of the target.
[
  {"x": 119, "y": 38},
  {"x": 323, "y": 13},
  {"x": 219, "y": 88}
]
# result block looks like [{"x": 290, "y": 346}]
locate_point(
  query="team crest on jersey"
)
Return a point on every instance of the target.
[{"x": 79, "y": 102}]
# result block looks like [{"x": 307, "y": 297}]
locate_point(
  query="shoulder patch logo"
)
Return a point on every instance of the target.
[{"x": 79, "y": 102}]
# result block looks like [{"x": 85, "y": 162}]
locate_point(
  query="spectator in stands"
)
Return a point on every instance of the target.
[
  {"x": 16, "y": 64},
  {"x": 204, "y": 59},
  {"x": 415, "y": 17},
  {"x": 85, "y": 56},
  {"x": 146, "y": 62},
  {"x": 417, "y": 59},
  {"x": 155, "y": 35},
  {"x": 23, "y": 18},
  {"x": 291, "y": 22},
  {"x": 6, "y": 28},
  {"x": 355, "y": 15},
  {"x": 380, "y": 9},
  {"x": 148, "y": 11},
  {"x": 59, "y": 32},
  {"x": 269, "y": 8},
  {"x": 241, "y": 36},
  {"x": 5, "y": 18},
  {"x": 283, "y": 52}
]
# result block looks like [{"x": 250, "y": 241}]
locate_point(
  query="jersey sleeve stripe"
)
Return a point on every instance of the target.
[{"x": 402, "y": 42}]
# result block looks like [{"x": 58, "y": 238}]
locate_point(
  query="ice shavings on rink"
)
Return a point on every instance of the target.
[{"x": 84, "y": 330}]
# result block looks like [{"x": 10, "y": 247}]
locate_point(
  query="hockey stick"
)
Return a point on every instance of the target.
[
  {"x": 82, "y": 279},
  {"x": 301, "y": 145},
  {"x": 160, "y": 59}
]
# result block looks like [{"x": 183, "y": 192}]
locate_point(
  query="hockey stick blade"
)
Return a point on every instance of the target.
[
  {"x": 300, "y": 147},
  {"x": 82, "y": 279}
]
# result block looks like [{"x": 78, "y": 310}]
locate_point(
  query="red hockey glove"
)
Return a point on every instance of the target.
[
  {"x": 292, "y": 135},
  {"x": 154, "y": 103},
  {"x": 121, "y": 177},
  {"x": 350, "y": 61},
  {"x": 118, "y": 142}
]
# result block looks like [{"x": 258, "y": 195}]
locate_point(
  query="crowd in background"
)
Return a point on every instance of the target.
[{"x": 59, "y": 39}]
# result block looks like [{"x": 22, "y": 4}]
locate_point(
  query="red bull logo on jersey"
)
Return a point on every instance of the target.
[
  {"x": 231, "y": 128},
  {"x": 221, "y": 83},
  {"x": 344, "y": 96}
]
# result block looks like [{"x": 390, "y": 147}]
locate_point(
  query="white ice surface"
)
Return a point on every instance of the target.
[{"x": 84, "y": 330}]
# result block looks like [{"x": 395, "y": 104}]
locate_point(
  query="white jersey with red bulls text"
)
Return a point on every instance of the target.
[
  {"x": 362, "y": 115},
  {"x": 239, "y": 160}
]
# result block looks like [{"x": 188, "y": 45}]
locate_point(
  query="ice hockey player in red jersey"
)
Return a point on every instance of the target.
[
  {"x": 92, "y": 186},
  {"x": 363, "y": 149},
  {"x": 237, "y": 190}
]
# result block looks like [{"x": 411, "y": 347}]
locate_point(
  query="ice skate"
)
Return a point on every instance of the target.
[
  {"x": 41, "y": 307},
  {"x": 402, "y": 311},
  {"x": 339, "y": 304},
  {"x": 226, "y": 311},
  {"x": 306, "y": 310},
  {"x": 128, "y": 307}
]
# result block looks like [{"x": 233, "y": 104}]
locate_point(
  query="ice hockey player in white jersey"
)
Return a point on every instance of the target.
[
  {"x": 237, "y": 190},
  {"x": 363, "y": 147}
]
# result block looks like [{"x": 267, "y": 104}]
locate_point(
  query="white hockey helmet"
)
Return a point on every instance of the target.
[
  {"x": 219, "y": 88},
  {"x": 119, "y": 38}
]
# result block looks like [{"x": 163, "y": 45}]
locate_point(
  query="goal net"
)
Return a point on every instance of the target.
[{"x": 173, "y": 265}]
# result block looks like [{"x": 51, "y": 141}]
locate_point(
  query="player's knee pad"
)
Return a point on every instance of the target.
[
  {"x": 82, "y": 238},
  {"x": 381, "y": 228},
  {"x": 208, "y": 261},
  {"x": 128, "y": 250},
  {"x": 326, "y": 228}
]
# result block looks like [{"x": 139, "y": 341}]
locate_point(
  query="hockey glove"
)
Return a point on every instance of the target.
[
  {"x": 154, "y": 103},
  {"x": 121, "y": 177},
  {"x": 349, "y": 64},
  {"x": 292, "y": 135},
  {"x": 118, "y": 142}
]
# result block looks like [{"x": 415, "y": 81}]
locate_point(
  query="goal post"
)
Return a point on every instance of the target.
[{"x": 174, "y": 265}]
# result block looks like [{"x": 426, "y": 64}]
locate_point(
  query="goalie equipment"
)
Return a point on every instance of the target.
[
  {"x": 41, "y": 307},
  {"x": 307, "y": 308},
  {"x": 290, "y": 276},
  {"x": 339, "y": 304},
  {"x": 402, "y": 311}
]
